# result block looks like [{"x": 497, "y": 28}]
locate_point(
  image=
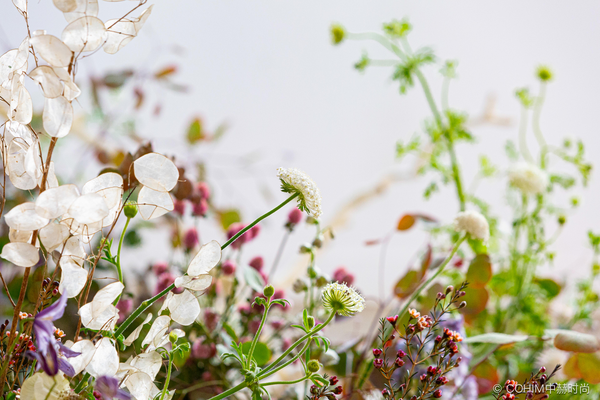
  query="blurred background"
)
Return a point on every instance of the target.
[{"x": 268, "y": 72}]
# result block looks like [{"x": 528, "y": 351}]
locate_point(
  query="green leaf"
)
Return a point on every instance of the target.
[
  {"x": 195, "y": 132},
  {"x": 496, "y": 338},
  {"x": 480, "y": 271},
  {"x": 253, "y": 279},
  {"x": 229, "y": 217},
  {"x": 576, "y": 342},
  {"x": 262, "y": 354},
  {"x": 589, "y": 365},
  {"x": 476, "y": 299},
  {"x": 551, "y": 287},
  {"x": 230, "y": 331}
]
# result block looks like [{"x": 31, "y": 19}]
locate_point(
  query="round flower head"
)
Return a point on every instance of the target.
[
  {"x": 473, "y": 223},
  {"x": 295, "y": 181},
  {"x": 343, "y": 299},
  {"x": 528, "y": 178}
]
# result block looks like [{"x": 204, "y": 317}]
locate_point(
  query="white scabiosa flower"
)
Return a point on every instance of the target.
[
  {"x": 528, "y": 178},
  {"x": 473, "y": 223},
  {"x": 342, "y": 299},
  {"x": 296, "y": 181}
]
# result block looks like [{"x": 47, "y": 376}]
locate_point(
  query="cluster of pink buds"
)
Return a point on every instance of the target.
[
  {"x": 343, "y": 276},
  {"x": 198, "y": 198},
  {"x": 294, "y": 218},
  {"x": 326, "y": 391},
  {"x": 536, "y": 386}
]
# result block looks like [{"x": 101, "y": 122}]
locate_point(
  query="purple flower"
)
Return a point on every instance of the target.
[
  {"x": 51, "y": 354},
  {"x": 108, "y": 387}
]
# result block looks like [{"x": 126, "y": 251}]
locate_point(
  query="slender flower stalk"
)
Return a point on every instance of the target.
[
  {"x": 147, "y": 303},
  {"x": 118, "y": 264}
]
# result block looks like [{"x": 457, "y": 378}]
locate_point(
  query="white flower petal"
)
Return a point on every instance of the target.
[
  {"x": 72, "y": 279},
  {"x": 158, "y": 329},
  {"x": 53, "y": 235},
  {"x": 52, "y": 49},
  {"x": 184, "y": 308},
  {"x": 24, "y": 218},
  {"x": 156, "y": 172},
  {"x": 105, "y": 297},
  {"x": 54, "y": 202},
  {"x": 153, "y": 204},
  {"x": 21, "y": 254},
  {"x": 87, "y": 350},
  {"x": 150, "y": 363},
  {"x": 207, "y": 258},
  {"x": 139, "y": 385},
  {"x": 105, "y": 360},
  {"x": 89, "y": 208},
  {"x": 58, "y": 116}
]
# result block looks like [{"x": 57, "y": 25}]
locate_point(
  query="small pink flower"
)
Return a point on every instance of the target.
[
  {"x": 254, "y": 325},
  {"x": 190, "y": 239},
  {"x": 257, "y": 263},
  {"x": 203, "y": 190},
  {"x": 200, "y": 209},
  {"x": 343, "y": 276},
  {"x": 179, "y": 207},
  {"x": 294, "y": 217},
  {"x": 228, "y": 267},
  {"x": 211, "y": 319},
  {"x": 164, "y": 280},
  {"x": 203, "y": 351},
  {"x": 125, "y": 306},
  {"x": 160, "y": 267}
]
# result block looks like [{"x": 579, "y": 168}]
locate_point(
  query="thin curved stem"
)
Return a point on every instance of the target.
[
  {"x": 523, "y": 136},
  {"x": 286, "y": 382},
  {"x": 147, "y": 303},
  {"x": 426, "y": 284},
  {"x": 257, "y": 335},
  {"x": 229, "y": 392},
  {"x": 168, "y": 378},
  {"x": 118, "y": 264},
  {"x": 257, "y": 220}
]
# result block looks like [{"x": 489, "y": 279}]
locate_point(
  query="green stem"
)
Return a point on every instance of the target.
[
  {"x": 168, "y": 378},
  {"x": 291, "y": 360},
  {"x": 257, "y": 335},
  {"x": 82, "y": 383},
  {"x": 440, "y": 123},
  {"x": 385, "y": 42},
  {"x": 286, "y": 382},
  {"x": 51, "y": 388},
  {"x": 425, "y": 284},
  {"x": 149, "y": 302},
  {"x": 293, "y": 346},
  {"x": 257, "y": 220},
  {"x": 118, "y": 264},
  {"x": 523, "y": 136},
  {"x": 537, "y": 111},
  {"x": 229, "y": 392}
]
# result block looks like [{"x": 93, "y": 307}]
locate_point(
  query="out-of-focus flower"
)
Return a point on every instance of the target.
[
  {"x": 211, "y": 319},
  {"x": 228, "y": 267},
  {"x": 528, "y": 178},
  {"x": 342, "y": 275},
  {"x": 125, "y": 306},
  {"x": 203, "y": 351},
  {"x": 190, "y": 239},
  {"x": 342, "y": 299},
  {"x": 179, "y": 207},
  {"x": 108, "y": 388},
  {"x": 294, "y": 217},
  {"x": 473, "y": 223},
  {"x": 160, "y": 268},
  {"x": 294, "y": 181},
  {"x": 200, "y": 209},
  {"x": 246, "y": 237},
  {"x": 257, "y": 263},
  {"x": 165, "y": 280},
  {"x": 203, "y": 190}
]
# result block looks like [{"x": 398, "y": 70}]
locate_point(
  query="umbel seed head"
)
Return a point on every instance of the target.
[{"x": 342, "y": 299}]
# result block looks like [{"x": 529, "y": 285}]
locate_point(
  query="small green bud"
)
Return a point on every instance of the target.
[
  {"x": 562, "y": 219},
  {"x": 363, "y": 63},
  {"x": 321, "y": 281},
  {"x": 130, "y": 210},
  {"x": 338, "y": 33},
  {"x": 172, "y": 337},
  {"x": 313, "y": 366},
  {"x": 299, "y": 286},
  {"x": 318, "y": 242},
  {"x": 269, "y": 291},
  {"x": 574, "y": 201},
  {"x": 397, "y": 29},
  {"x": 312, "y": 273},
  {"x": 544, "y": 73},
  {"x": 305, "y": 248},
  {"x": 595, "y": 269},
  {"x": 311, "y": 321}
]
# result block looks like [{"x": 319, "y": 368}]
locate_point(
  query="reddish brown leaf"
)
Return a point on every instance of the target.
[{"x": 406, "y": 222}]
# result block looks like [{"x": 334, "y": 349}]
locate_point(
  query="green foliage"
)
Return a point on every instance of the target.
[{"x": 405, "y": 70}]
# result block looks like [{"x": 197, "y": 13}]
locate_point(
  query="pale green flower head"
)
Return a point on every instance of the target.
[
  {"x": 342, "y": 299},
  {"x": 294, "y": 181}
]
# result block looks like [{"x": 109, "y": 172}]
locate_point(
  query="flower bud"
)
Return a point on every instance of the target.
[
  {"x": 228, "y": 267},
  {"x": 257, "y": 263},
  {"x": 392, "y": 320},
  {"x": 378, "y": 363},
  {"x": 386, "y": 393},
  {"x": 130, "y": 210},
  {"x": 299, "y": 286},
  {"x": 172, "y": 337},
  {"x": 313, "y": 366},
  {"x": 377, "y": 352},
  {"x": 179, "y": 207},
  {"x": 437, "y": 394},
  {"x": 338, "y": 33},
  {"x": 333, "y": 380},
  {"x": 338, "y": 390},
  {"x": 463, "y": 304},
  {"x": 294, "y": 217},
  {"x": 200, "y": 209},
  {"x": 191, "y": 239},
  {"x": 542, "y": 370},
  {"x": 399, "y": 362},
  {"x": 311, "y": 321},
  {"x": 449, "y": 289},
  {"x": 544, "y": 74},
  {"x": 269, "y": 291}
]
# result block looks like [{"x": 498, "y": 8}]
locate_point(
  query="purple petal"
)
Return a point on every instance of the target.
[
  {"x": 49, "y": 361},
  {"x": 67, "y": 351},
  {"x": 66, "y": 367},
  {"x": 44, "y": 334},
  {"x": 123, "y": 395},
  {"x": 55, "y": 311}
]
